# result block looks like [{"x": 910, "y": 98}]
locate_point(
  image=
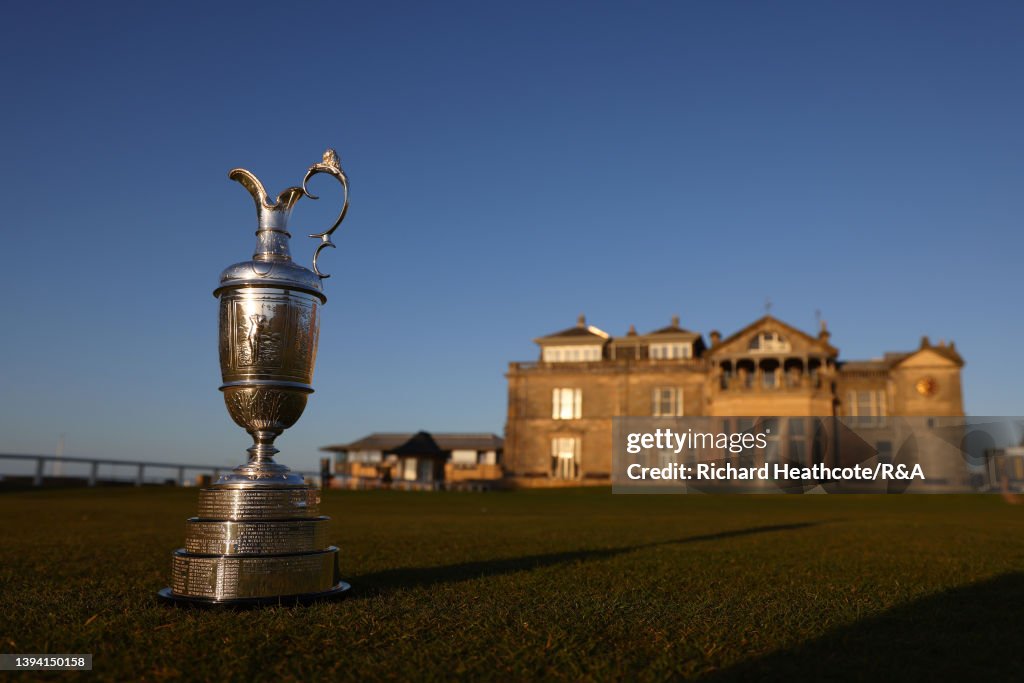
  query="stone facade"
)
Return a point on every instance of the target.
[{"x": 560, "y": 408}]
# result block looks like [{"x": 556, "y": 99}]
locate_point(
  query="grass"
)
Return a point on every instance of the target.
[{"x": 575, "y": 584}]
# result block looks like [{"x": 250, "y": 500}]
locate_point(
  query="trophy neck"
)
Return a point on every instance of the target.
[
  {"x": 272, "y": 245},
  {"x": 272, "y": 236}
]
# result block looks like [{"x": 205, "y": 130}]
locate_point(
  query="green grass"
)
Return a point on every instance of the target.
[{"x": 575, "y": 584}]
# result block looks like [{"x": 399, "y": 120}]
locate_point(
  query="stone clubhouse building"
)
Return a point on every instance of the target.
[{"x": 560, "y": 407}]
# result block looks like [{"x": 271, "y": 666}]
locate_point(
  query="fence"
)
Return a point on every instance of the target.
[{"x": 139, "y": 465}]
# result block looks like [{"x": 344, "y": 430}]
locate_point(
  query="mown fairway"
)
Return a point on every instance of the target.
[{"x": 574, "y": 584}]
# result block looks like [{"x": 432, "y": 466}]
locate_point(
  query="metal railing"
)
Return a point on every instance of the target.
[
  {"x": 139, "y": 479},
  {"x": 688, "y": 363}
]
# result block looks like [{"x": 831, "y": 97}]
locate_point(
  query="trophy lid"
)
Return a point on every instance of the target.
[{"x": 283, "y": 274}]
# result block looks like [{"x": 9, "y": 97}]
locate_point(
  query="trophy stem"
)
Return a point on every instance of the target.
[
  {"x": 261, "y": 469},
  {"x": 262, "y": 449}
]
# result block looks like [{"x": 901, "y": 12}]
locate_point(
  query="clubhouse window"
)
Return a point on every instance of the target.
[
  {"x": 767, "y": 342},
  {"x": 566, "y": 403},
  {"x": 867, "y": 406},
  {"x": 571, "y": 354},
  {"x": 670, "y": 351},
  {"x": 667, "y": 401},
  {"x": 565, "y": 457}
]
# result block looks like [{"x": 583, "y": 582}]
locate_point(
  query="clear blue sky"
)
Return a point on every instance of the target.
[{"x": 512, "y": 166}]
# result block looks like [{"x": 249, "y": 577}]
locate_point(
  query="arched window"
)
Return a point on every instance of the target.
[{"x": 769, "y": 342}]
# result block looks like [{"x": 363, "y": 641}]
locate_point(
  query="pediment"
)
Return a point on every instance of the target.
[
  {"x": 928, "y": 358},
  {"x": 770, "y": 336}
]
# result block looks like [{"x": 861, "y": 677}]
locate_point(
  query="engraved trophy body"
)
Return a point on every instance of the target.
[{"x": 258, "y": 538}]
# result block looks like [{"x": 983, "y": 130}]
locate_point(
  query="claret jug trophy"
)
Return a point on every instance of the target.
[{"x": 259, "y": 537}]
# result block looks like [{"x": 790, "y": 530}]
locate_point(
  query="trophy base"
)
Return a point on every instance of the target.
[
  {"x": 239, "y": 479},
  {"x": 255, "y": 546},
  {"x": 168, "y": 597}
]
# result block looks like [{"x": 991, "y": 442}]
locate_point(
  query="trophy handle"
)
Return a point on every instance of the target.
[{"x": 332, "y": 166}]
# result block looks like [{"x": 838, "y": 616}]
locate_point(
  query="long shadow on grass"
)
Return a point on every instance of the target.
[
  {"x": 969, "y": 633},
  {"x": 409, "y": 577}
]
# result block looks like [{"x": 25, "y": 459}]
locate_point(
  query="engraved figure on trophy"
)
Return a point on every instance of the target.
[
  {"x": 259, "y": 538},
  {"x": 257, "y": 323}
]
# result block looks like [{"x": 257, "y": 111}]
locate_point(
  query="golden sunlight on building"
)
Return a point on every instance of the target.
[{"x": 560, "y": 408}]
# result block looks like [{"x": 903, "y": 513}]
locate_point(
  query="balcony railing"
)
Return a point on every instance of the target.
[
  {"x": 755, "y": 383},
  {"x": 604, "y": 363}
]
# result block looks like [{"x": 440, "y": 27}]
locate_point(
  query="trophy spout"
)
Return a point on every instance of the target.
[{"x": 272, "y": 216}]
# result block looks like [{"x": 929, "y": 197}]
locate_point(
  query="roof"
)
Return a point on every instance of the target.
[
  {"x": 581, "y": 332},
  {"x": 894, "y": 358},
  {"x": 770, "y": 320},
  {"x": 949, "y": 352},
  {"x": 873, "y": 365},
  {"x": 673, "y": 330},
  {"x": 446, "y": 441},
  {"x": 421, "y": 443}
]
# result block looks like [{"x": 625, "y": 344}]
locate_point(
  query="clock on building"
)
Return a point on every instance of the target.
[{"x": 926, "y": 386}]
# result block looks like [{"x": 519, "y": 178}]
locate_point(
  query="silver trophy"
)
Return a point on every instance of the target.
[{"x": 259, "y": 538}]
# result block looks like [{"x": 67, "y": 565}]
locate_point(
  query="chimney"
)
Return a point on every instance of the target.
[
  {"x": 925, "y": 344},
  {"x": 675, "y": 321},
  {"x": 716, "y": 337},
  {"x": 823, "y": 333}
]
